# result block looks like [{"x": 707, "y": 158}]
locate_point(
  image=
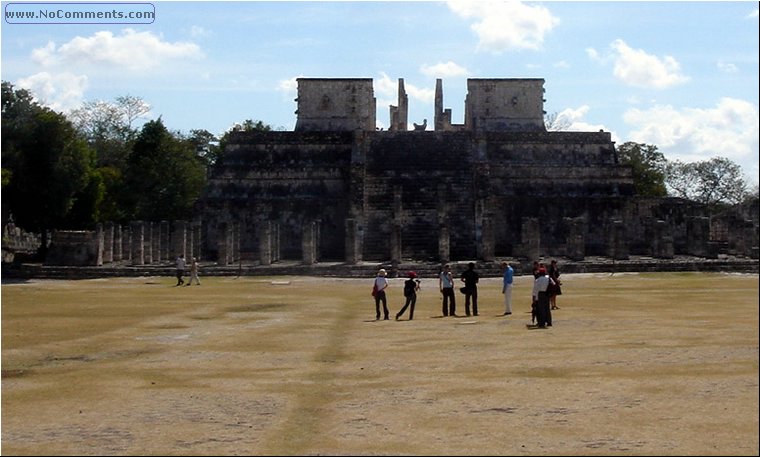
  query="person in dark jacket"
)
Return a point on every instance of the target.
[
  {"x": 470, "y": 278},
  {"x": 411, "y": 286}
]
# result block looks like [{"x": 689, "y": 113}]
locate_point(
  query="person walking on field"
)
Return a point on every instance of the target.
[
  {"x": 378, "y": 291},
  {"x": 411, "y": 286},
  {"x": 194, "y": 273},
  {"x": 180, "y": 266},
  {"x": 446, "y": 284},
  {"x": 470, "y": 278},
  {"x": 506, "y": 287}
]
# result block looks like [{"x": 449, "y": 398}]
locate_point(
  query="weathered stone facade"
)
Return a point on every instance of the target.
[
  {"x": 499, "y": 185},
  {"x": 336, "y": 189}
]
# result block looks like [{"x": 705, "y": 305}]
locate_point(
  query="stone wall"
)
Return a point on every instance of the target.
[
  {"x": 499, "y": 104},
  {"x": 291, "y": 179},
  {"x": 335, "y": 104}
]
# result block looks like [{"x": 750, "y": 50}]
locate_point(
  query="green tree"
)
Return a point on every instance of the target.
[
  {"x": 108, "y": 127},
  {"x": 49, "y": 166},
  {"x": 206, "y": 145},
  {"x": 714, "y": 182},
  {"x": 164, "y": 176},
  {"x": 648, "y": 166},
  {"x": 247, "y": 126}
]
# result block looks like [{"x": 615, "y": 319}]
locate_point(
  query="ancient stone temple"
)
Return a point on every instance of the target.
[{"x": 499, "y": 185}]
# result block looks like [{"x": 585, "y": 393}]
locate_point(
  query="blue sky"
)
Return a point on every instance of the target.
[{"x": 680, "y": 75}]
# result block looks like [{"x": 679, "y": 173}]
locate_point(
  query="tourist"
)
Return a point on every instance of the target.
[
  {"x": 541, "y": 298},
  {"x": 506, "y": 287},
  {"x": 470, "y": 278},
  {"x": 536, "y": 266},
  {"x": 180, "y": 264},
  {"x": 446, "y": 284},
  {"x": 556, "y": 289},
  {"x": 194, "y": 272},
  {"x": 411, "y": 286},
  {"x": 378, "y": 291}
]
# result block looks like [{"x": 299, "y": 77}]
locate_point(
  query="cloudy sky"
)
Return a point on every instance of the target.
[{"x": 679, "y": 75}]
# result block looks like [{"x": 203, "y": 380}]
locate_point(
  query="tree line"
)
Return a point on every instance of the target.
[{"x": 93, "y": 165}]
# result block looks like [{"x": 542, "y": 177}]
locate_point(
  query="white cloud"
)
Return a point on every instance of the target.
[
  {"x": 730, "y": 129},
  {"x": 444, "y": 70},
  {"x": 61, "y": 92},
  {"x": 726, "y": 67},
  {"x": 289, "y": 86},
  {"x": 198, "y": 31},
  {"x": 637, "y": 68},
  {"x": 386, "y": 90},
  {"x": 573, "y": 119},
  {"x": 594, "y": 55},
  {"x": 132, "y": 50},
  {"x": 503, "y": 26}
]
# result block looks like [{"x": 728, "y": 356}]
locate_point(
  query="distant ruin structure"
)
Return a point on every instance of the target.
[
  {"x": 499, "y": 185},
  {"x": 338, "y": 189}
]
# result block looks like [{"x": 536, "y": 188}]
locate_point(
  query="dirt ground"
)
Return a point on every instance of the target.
[{"x": 635, "y": 364}]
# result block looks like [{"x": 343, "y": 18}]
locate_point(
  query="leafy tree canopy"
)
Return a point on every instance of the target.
[
  {"x": 164, "y": 175},
  {"x": 648, "y": 165},
  {"x": 717, "y": 181}
]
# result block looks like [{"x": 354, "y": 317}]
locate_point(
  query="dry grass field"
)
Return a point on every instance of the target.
[{"x": 635, "y": 364}]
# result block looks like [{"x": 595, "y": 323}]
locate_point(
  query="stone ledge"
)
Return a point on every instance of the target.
[{"x": 369, "y": 269}]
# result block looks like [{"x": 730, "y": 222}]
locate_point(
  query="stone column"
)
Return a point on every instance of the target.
[
  {"x": 166, "y": 237},
  {"x": 156, "y": 238},
  {"x": 126, "y": 243},
  {"x": 138, "y": 243},
  {"x": 265, "y": 243},
  {"x": 235, "y": 242},
  {"x": 395, "y": 242},
  {"x": 352, "y": 242},
  {"x": 108, "y": 242},
  {"x": 576, "y": 238},
  {"x": 487, "y": 244},
  {"x": 178, "y": 239},
  {"x": 662, "y": 241},
  {"x": 617, "y": 248},
  {"x": 197, "y": 240},
  {"x": 275, "y": 242},
  {"x": 117, "y": 243},
  {"x": 531, "y": 238},
  {"x": 444, "y": 237},
  {"x": 308, "y": 241},
  {"x": 223, "y": 244},
  {"x": 747, "y": 238},
  {"x": 99, "y": 244},
  {"x": 148, "y": 241},
  {"x": 189, "y": 243},
  {"x": 444, "y": 240},
  {"x": 697, "y": 235}
]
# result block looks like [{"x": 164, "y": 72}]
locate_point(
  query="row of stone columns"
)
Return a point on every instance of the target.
[
  {"x": 575, "y": 243},
  {"x": 145, "y": 242}
]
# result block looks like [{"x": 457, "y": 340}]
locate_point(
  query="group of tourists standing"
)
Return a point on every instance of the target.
[{"x": 546, "y": 287}]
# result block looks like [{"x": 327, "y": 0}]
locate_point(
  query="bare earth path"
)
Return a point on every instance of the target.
[{"x": 635, "y": 364}]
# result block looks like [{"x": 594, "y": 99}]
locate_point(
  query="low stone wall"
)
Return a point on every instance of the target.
[{"x": 369, "y": 269}]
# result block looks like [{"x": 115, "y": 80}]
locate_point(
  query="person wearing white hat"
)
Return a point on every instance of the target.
[{"x": 378, "y": 291}]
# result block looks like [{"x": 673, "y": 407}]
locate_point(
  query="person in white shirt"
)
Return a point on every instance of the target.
[
  {"x": 540, "y": 295},
  {"x": 180, "y": 263},
  {"x": 446, "y": 284},
  {"x": 381, "y": 283}
]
